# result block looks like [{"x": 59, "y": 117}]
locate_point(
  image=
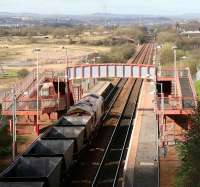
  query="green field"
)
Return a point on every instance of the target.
[{"x": 9, "y": 74}]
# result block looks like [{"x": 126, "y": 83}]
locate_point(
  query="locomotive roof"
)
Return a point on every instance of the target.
[
  {"x": 87, "y": 104},
  {"x": 81, "y": 107}
]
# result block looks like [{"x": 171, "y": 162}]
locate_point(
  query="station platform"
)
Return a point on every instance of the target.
[{"x": 141, "y": 167}]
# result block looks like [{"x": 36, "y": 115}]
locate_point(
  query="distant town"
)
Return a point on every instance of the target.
[{"x": 27, "y": 19}]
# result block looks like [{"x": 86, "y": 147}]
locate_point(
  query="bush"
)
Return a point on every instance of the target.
[
  {"x": 189, "y": 152},
  {"x": 5, "y": 139},
  {"x": 166, "y": 36},
  {"x": 197, "y": 87},
  {"x": 5, "y": 151},
  {"x": 188, "y": 43},
  {"x": 23, "y": 73},
  {"x": 118, "y": 54},
  {"x": 166, "y": 54}
]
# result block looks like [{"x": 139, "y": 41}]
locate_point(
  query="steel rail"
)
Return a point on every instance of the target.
[
  {"x": 146, "y": 54},
  {"x": 95, "y": 180},
  {"x": 127, "y": 136}
]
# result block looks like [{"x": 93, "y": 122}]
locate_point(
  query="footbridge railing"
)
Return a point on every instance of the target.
[{"x": 111, "y": 71}]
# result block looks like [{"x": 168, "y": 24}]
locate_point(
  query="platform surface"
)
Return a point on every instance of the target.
[{"x": 141, "y": 168}]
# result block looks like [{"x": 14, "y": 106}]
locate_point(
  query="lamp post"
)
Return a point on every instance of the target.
[
  {"x": 58, "y": 92},
  {"x": 162, "y": 101},
  {"x": 162, "y": 96},
  {"x": 67, "y": 59},
  {"x": 66, "y": 56},
  {"x": 14, "y": 138},
  {"x": 85, "y": 83},
  {"x": 162, "y": 110},
  {"x": 67, "y": 77},
  {"x": 175, "y": 70},
  {"x": 37, "y": 50},
  {"x": 157, "y": 59}
]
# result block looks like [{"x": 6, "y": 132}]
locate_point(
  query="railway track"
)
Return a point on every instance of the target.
[
  {"x": 109, "y": 173},
  {"x": 108, "y": 170},
  {"x": 121, "y": 82},
  {"x": 106, "y": 154},
  {"x": 114, "y": 94},
  {"x": 148, "y": 60}
]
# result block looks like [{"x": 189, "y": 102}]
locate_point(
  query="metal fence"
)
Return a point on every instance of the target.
[
  {"x": 170, "y": 73},
  {"x": 31, "y": 105},
  {"x": 175, "y": 103}
]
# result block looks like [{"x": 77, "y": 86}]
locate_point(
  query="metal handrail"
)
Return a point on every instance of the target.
[
  {"x": 177, "y": 100},
  {"x": 168, "y": 72},
  {"x": 192, "y": 87},
  {"x": 28, "y": 84},
  {"x": 30, "y": 104}
]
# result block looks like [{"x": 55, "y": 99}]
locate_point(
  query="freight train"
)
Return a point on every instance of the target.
[{"x": 47, "y": 161}]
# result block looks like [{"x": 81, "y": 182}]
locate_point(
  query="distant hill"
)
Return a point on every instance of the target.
[
  {"x": 191, "y": 16},
  {"x": 10, "y": 19},
  {"x": 123, "y": 19}
]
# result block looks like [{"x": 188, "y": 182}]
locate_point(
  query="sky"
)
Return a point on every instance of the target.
[{"x": 144, "y": 7}]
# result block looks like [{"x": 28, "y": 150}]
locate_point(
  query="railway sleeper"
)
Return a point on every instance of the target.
[
  {"x": 97, "y": 149},
  {"x": 95, "y": 163},
  {"x": 109, "y": 182},
  {"x": 116, "y": 149},
  {"x": 106, "y": 182},
  {"x": 109, "y": 163},
  {"x": 75, "y": 182},
  {"x": 89, "y": 164},
  {"x": 112, "y": 163}
]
